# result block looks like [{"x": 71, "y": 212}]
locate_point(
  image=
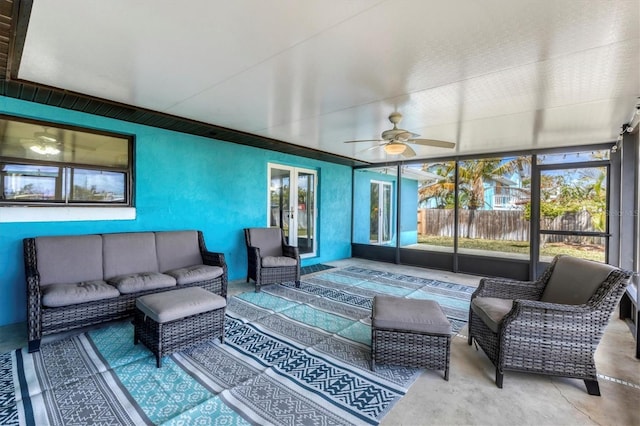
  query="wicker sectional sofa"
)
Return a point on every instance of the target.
[{"x": 81, "y": 280}]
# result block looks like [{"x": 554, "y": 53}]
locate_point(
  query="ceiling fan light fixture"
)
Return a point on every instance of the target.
[
  {"x": 44, "y": 149},
  {"x": 394, "y": 148}
]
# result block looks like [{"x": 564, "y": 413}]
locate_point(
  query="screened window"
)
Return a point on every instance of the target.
[
  {"x": 42, "y": 163},
  {"x": 493, "y": 210},
  {"x": 432, "y": 187}
]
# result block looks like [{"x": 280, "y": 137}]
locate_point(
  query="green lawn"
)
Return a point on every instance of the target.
[{"x": 591, "y": 252}]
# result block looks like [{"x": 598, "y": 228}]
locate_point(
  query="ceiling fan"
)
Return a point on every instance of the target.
[
  {"x": 43, "y": 143},
  {"x": 396, "y": 141}
]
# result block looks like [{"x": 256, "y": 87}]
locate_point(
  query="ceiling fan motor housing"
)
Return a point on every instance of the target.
[{"x": 395, "y": 134}]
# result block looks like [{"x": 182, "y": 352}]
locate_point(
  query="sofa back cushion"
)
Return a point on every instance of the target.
[
  {"x": 177, "y": 249},
  {"x": 573, "y": 281},
  {"x": 69, "y": 259},
  {"x": 268, "y": 240},
  {"x": 129, "y": 253}
]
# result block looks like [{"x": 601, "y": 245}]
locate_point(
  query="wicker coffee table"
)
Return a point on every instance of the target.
[
  {"x": 411, "y": 333},
  {"x": 175, "y": 320}
]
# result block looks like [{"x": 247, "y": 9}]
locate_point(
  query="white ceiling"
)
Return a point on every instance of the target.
[{"x": 491, "y": 75}]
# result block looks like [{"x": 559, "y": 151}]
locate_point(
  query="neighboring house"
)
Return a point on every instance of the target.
[{"x": 501, "y": 193}]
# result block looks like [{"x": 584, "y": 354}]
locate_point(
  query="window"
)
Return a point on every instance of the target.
[
  {"x": 45, "y": 164},
  {"x": 494, "y": 195},
  {"x": 431, "y": 188}
]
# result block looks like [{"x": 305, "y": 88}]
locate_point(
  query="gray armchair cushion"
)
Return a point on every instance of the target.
[
  {"x": 177, "y": 249},
  {"x": 277, "y": 261},
  {"x": 268, "y": 240},
  {"x": 492, "y": 310},
  {"x": 177, "y": 304},
  {"x": 396, "y": 313},
  {"x": 195, "y": 273},
  {"x": 573, "y": 281},
  {"x": 61, "y": 294},
  {"x": 69, "y": 259},
  {"x": 134, "y": 283},
  {"x": 129, "y": 253}
]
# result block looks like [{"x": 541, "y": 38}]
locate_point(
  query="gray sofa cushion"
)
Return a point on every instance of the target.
[
  {"x": 396, "y": 313},
  {"x": 195, "y": 273},
  {"x": 133, "y": 283},
  {"x": 61, "y": 294},
  {"x": 129, "y": 253},
  {"x": 491, "y": 310},
  {"x": 277, "y": 261},
  {"x": 268, "y": 240},
  {"x": 177, "y": 249},
  {"x": 573, "y": 281},
  {"x": 69, "y": 259},
  {"x": 176, "y": 304}
]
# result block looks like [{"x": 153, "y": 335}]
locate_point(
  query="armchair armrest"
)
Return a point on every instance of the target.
[
  {"x": 290, "y": 251},
  {"x": 253, "y": 253},
  {"x": 550, "y": 308},
  {"x": 253, "y": 258},
  {"x": 509, "y": 289},
  {"x": 531, "y": 320}
]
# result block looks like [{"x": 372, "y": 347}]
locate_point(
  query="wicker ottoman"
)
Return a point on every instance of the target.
[
  {"x": 411, "y": 333},
  {"x": 175, "y": 320}
]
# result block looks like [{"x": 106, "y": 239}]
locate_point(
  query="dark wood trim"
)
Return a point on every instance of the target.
[
  {"x": 52, "y": 96},
  {"x": 21, "y": 13}
]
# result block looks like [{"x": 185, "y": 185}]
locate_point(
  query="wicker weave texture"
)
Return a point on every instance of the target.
[
  {"x": 546, "y": 338},
  {"x": 410, "y": 349},
  {"x": 175, "y": 336},
  {"x": 263, "y": 276},
  {"x": 42, "y": 321}
]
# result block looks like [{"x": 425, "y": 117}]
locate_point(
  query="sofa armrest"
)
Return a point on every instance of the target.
[
  {"x": 34, "y": 294},
  {"x": 214, "y": 259}
]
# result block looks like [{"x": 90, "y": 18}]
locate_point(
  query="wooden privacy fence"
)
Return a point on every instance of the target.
[{"x": 497, "y": 224}]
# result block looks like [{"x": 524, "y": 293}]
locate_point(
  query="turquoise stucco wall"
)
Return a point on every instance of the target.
[
  {"x": 183, "y": 182},
  {"x": 409, "y": 212}
]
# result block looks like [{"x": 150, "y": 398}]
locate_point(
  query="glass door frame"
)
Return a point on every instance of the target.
[
  {"x": 293, "y": 214},
  {"x": 382, "y": 185}
]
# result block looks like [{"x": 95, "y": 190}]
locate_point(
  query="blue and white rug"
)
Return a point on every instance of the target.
[{"x": 291, "y": 356}]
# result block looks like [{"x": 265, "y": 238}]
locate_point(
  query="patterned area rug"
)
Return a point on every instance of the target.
[
  {"x": 291, "y": 356},
  {"x": 314, "y": 268}
]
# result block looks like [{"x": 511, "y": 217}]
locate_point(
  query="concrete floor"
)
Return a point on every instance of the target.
[{"x": 470, "y": 397}]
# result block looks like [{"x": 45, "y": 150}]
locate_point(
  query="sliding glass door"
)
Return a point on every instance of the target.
[
  {"x": 380, "y": 221},
  {"x": 292, "y": 205}
]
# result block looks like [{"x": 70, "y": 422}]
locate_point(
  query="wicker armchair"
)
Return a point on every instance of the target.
[
  {"x": 550, "y": 326},
  {"x": 270, "y": 259}
]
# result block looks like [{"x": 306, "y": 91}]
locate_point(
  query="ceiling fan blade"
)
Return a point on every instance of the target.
[
  {"x": 365, "y": 140},
  {"x": 406, "y": 135},
  {"x": 371, "y": 148},
  {"x": 432, "y": 142},
  {"x": 408, "y": 152}
]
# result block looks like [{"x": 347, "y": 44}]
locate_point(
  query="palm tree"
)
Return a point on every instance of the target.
[
  {"x": 441, "y": 190},
  {"x": 472, "y": 177}
]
